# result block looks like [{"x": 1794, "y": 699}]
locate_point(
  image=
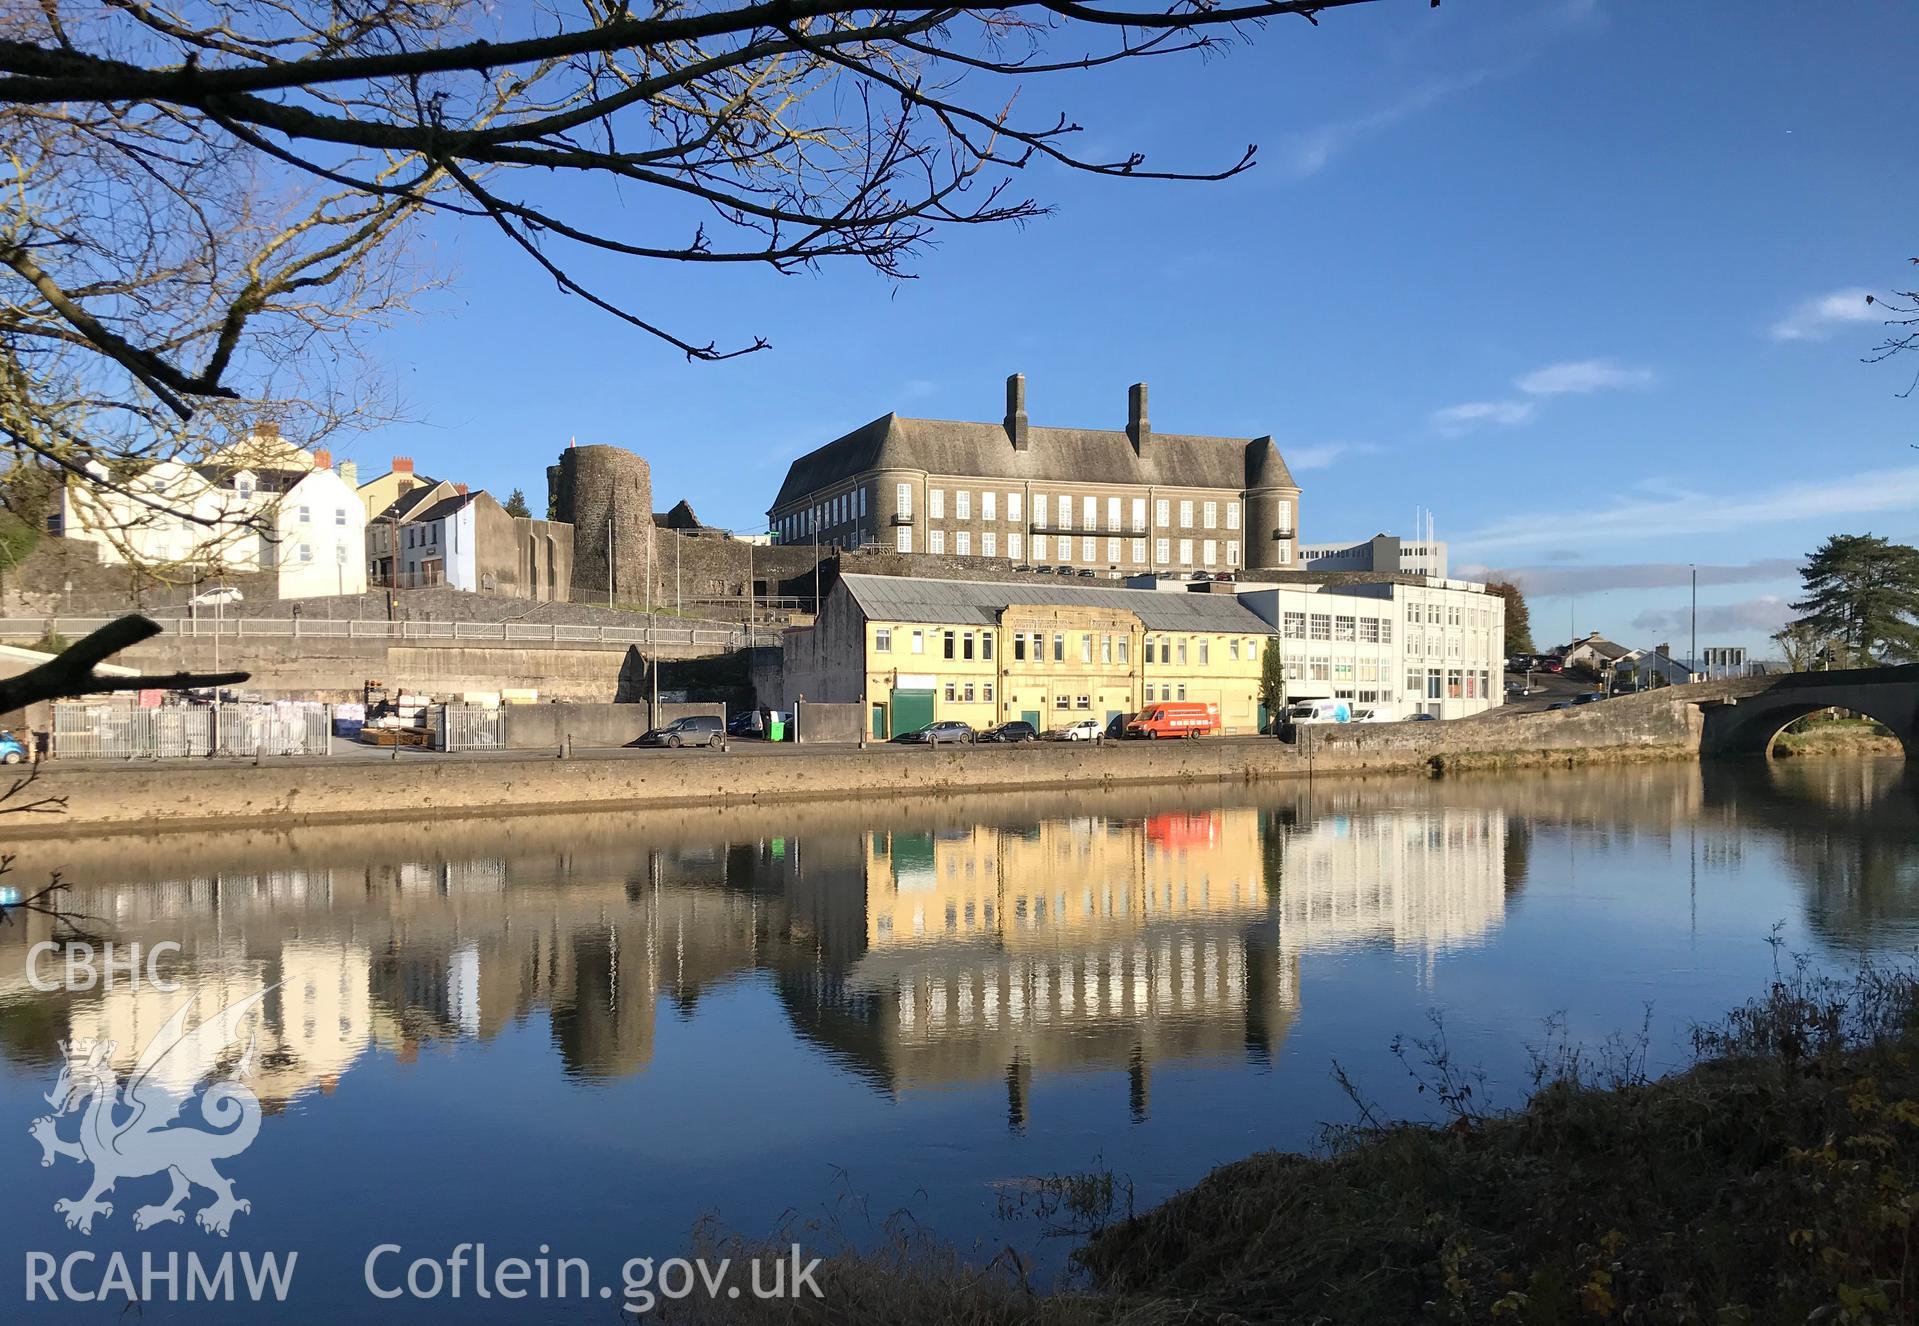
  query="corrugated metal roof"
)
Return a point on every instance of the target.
[{"x": 979, "y": 602}]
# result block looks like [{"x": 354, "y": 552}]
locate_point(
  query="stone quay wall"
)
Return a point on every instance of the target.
[{"x": 200, "y": 793}]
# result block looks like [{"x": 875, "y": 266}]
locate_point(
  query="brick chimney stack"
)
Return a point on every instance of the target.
[
  {"x": 403, "y": 464},
  {"x": 1016, "y": 427},
  {"x": 323, "y": 459},
  {"x": 1137, "y": 425},
  {"x": 460, "y": 488}
]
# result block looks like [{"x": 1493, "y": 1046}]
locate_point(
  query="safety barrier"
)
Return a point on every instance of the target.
[
  {"x": 469, "y": 727},
  {"x": 105, "y": 730}
]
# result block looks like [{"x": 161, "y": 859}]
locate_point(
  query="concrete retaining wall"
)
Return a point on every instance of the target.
[
  {"x": 545, "y": 726},
  {"x": 830, "y": 724},
  {"x": 333, "y": 668}
]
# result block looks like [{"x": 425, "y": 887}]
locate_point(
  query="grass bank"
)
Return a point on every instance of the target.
[
  {"x": 1775, "y": 1181},
  {"x": 1843, "y": 736}
]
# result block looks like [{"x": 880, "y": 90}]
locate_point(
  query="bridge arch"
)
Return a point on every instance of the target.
[{"x": 1749, "y": 725}]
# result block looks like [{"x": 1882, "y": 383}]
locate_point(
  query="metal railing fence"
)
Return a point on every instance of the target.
[
  {"x": 518, "y": 633},
  {"x": 459, "y": 727},
  {"x": 105, "y": 730}
]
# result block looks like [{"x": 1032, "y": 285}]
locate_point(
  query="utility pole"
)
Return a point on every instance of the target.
[
  {"x": 609, "y": 561},
  {"x": 1693, "y": 662}
]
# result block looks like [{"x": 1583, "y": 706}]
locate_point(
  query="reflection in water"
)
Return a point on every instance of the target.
[
  {"x": 687, "y": 1008},
  {"x": 917, "y": 946},
  {"x": 1855, "y": 853},
  {"x": 915, "y": 950}
]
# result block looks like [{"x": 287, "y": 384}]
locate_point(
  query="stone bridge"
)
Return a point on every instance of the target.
[{"x": 1746, "y": 715}]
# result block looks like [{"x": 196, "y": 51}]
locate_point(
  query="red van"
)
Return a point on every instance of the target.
[{"x": 1175, "y": 718}]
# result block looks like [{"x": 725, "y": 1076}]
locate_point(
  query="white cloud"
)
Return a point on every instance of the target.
[
  {"x": 1819, "y": 317},
  {"x": 1457, "y": 419},
  {"x": 1552, "y": 581},
  {"x": 1307, "y": 152},
  {"x": 1320, "y": 455},
  {"x": 1574, "y": 377},
  {"x": 1582, "y": 376},
  {"x": 1704, "y": 513}
]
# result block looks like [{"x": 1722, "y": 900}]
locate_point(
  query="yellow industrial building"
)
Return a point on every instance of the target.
[{"x": 917, "y": 650}]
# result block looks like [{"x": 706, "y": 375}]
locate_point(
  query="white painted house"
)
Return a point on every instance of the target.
[
  {"x": 261, "y": 504},
  {"x": 438, "y": 543}
]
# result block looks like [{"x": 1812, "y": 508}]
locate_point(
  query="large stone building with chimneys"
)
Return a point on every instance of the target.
[{"x": 1109, "y": 501}]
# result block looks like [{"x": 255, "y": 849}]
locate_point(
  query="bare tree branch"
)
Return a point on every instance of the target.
[
  {"x": 72, "y": 672},
  {"x": 735, "y": 118}
]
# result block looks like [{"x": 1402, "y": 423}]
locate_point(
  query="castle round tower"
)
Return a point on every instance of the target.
[{"x": 606, "y": 494}]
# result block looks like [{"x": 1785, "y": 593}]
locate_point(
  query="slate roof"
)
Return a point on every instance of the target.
[
  {"x": 443, "y": 508},
  {"x": 1069, "y": 455},
  {"x": 979, "y": 602},
  {"x": 400, "y": 507}
]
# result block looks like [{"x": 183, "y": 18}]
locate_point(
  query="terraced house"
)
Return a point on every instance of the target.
[
  {"x": 915, "y": 650},
  {"x": 1111, "y": 501}
]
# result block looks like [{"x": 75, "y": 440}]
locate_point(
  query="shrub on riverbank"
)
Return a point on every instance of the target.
[{"x": 1776, "y": 1181}]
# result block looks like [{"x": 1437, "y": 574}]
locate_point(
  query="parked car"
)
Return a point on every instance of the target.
[
  {"x": 207, "y": 598},
  {"x": 746, "y": 723},
  {"x": 1085, "y": 729},
  {"x": 1175, "y": 718},
  {"x": 945, "y": 731},
  {"x": 1377, "y": 713},
  {"x": 12, "y": 749},
  {"x": 1560, "y": 704},
  {"x": 1088, "y": 573},
  {"x": 1422, "y": 718},
  {"x": 1063, "y": 570},
  {"x": 1023, "y": 567},
  {"x": 693, "y": 730},
  {"x": 1011, "y": 733}
]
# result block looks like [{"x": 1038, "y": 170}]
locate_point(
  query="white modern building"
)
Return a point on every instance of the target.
[
  {"x": 1718, "y": 662},
  {"x": 1417, "y": 645},
  {"x": 261, "y": 504},
  {"x": 1382, "y": 552}
]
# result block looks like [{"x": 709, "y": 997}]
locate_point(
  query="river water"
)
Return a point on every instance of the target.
[{"x": 580, "y": 1035}]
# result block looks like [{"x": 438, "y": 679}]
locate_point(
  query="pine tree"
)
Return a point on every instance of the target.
[
  {"x": 516, "y": 504},
  {"x": 1863, "y": 592},
  {"x": 1519, "y": 622}
]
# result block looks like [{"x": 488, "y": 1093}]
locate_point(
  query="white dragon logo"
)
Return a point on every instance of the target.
[{"x": 134, "y": 1133}]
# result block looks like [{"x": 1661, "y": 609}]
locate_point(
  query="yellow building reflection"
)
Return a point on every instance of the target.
[{"x": 974, "y": 950}]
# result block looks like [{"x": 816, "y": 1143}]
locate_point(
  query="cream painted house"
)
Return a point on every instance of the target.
[
  {"x": 261, "y": 504},
  {"x": 916, "y": 650}
]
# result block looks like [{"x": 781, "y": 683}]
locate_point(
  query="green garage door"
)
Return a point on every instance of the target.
[{"x": 911, "y": 710}]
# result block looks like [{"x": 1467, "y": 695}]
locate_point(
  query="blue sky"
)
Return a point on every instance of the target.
[{"x": 1585, "y": 279}]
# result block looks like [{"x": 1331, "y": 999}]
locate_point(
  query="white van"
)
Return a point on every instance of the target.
[
  {"x": 1320, "y": 711},
  {"x": 1376, "y": 713}
]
